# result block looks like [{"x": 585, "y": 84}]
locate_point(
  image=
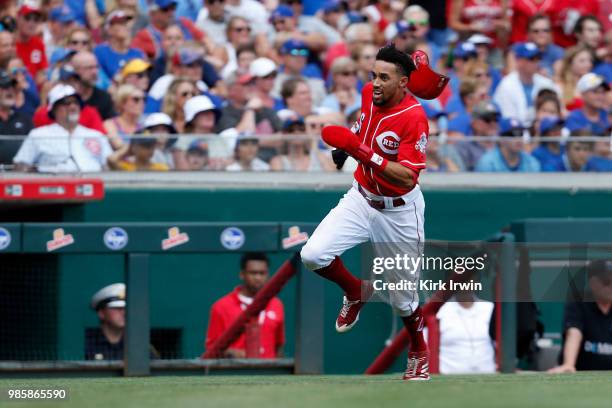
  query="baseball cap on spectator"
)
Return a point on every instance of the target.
[
  {"x": 590, "y": 82},
  {"x": 292, "y": 123},
  {"x": 135, "y": 66},
  {"x": 59, "y": 92},
  {"x": 576, "y": 123},
  {"x": 479, "y": 39},
  {"x": 109, "y": 296},
  {"x": 282, "y": 11},
  {"x": 527, "y": 50},
  {"x": 199, "y": 104},
  {"x": 510, "y": 127},
  {"x": 62, "y": 55},
  {"x": 295, "y": 48},
  {"x": 549, "y": 123},
  {"x": 464, "y": 50},
  {"x": 62, "y": 14},
  {"x": 485, "y": 111},
  {"x": 29, "y": 7},
  {"x": 187, "y": 56},
  {"x": 355, "y": 17},
  {"x": 433, "y": 112},
  {"x": 395, "y": 29},
  {"x": 158, "y": 119},
  {"x": 6, "y": 81},
  {"x": 66, "y": 72},
  {"x": 114, "y": 17},
  {"x": 162, "y": 4},
  {"x": 198, "y": 146},
  {"x": 262, "y": 67},
  {"x": 332, "y": 6},
  {"x": 244, "y": 137}
]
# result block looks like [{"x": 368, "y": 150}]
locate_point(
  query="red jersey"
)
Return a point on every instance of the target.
[
  {"x": 481, "y": 13},
  {"x": 32, "y": 53},
  {"x": 90, "y": 118},
  {"x": 564, "y": 14},
  {"x": 271, "y": 320},
  {"x": 522, "y": 11},
  {"x": 398, "y": 133}
]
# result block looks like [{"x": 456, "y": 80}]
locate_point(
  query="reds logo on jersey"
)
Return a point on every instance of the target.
[
  {"x": 388, "y": 142},
  {"x": 421, "y": 145}
]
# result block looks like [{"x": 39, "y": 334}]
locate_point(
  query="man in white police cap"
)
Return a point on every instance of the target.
[
  {"x": 106, "y": 342},
  {"x": 64, "y": 146}
]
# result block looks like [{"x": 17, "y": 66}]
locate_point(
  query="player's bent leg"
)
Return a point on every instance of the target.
[{"x": 343, "y": 228}]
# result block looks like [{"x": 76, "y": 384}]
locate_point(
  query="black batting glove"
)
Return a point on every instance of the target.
[{"x": 339, "y": 157}]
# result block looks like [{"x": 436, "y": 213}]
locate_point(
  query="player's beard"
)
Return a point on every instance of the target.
[{"x": 380, "y": 102}]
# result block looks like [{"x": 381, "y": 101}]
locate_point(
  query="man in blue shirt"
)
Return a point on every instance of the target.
[
  {"x": 539, "y": 32},
  {"x": 113, "y": 54},
  {"x": 593, "y": 116},
  {"x": 508, "y": 155},
  {"x": 470, "y": 94}
]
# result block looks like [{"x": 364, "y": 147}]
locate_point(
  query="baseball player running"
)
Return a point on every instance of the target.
[{"x": 385, "y": 205}]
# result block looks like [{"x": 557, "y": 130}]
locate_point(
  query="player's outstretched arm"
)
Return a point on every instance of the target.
[{"x": 344, "y": 139}]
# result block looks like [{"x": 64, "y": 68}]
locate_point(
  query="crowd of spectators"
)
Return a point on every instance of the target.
[{"x": 80, "y": 78}]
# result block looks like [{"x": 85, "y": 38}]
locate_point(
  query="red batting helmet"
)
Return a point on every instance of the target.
[{"x": 424, "y": 83}]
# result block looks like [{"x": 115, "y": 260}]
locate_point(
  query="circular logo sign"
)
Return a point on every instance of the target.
[
  {"x": 232, "y": 238},
  {"x": 5, "y": 239},
  {"x": 115, "y": 238}
]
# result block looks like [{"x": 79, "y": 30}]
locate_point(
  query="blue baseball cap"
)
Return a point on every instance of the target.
[
  {"x": 355, "y": 17},
  {"x": 527, "y": 50},
  {"x": 187, "y": 56},
  {"x": 395, "y": 29},
  {"x": 296, "y": 48},
  {"x": 510, "y": 127},
  {"x": 575, "y": 123},
  {"x": 164, "y": 4},
  {"x": 62, "y": 14},
  {"x": 549, "y": 123},
  {"x": 66, "y": 72},
  {"x": 465, "y": 50},
  {"x": 331, "y": 6},
  {"x": 281, "y": 11},
  {"x": 432, "y": 111}
]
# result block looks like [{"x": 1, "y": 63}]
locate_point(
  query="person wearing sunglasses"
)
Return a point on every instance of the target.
[
  {"x": 516, "y": 92},
  {"x": 162, "y": 13},
  {"x": 116, "y": 51},
  {"x": 294, "y": 57},
  {"x": 30, "y": 46},
  {"x": 587, "y": 337},
  {"x": 12, "y": 122},
  {"x": 61, "y": 20},
  {"x": 343, "y": 97},
  {"x": 129, "y": 102},
  {"x": 484, "y": 122},
  {"x": 508, "y": 155},
  {"x": 64, "y": 146}
]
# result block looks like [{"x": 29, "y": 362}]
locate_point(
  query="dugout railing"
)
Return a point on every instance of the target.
[{"x": 137, "y": 242}]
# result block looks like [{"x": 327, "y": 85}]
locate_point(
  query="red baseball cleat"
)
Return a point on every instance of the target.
[
  {"x": 418, "y": 366},
  {"x": 349, "y": 314}
]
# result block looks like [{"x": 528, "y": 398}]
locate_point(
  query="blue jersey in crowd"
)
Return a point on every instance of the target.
[
  {"x": 111, "y": 61},
  {"x": 493, "y": 161},
  {"x": 545, "y": 156},
  {"x": 578, "y": 120}
]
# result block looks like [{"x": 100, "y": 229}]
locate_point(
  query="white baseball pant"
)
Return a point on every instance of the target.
[{"x": 391, "y": 231}]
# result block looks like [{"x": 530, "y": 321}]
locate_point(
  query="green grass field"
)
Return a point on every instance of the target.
[{"x": 524, "y": 391}]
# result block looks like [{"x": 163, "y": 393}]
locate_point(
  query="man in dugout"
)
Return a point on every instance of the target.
[{"x": 264, "y": 336}]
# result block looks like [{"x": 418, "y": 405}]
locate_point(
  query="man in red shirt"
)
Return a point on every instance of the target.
[
  {"x": 264, "y": 337},
  {"x": 385, "y": 206},
  {"x": 30, "y": 46}
]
